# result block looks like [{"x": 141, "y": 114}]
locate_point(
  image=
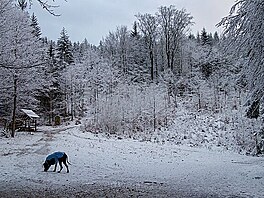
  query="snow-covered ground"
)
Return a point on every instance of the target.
[{"x": 108, "y": 167}]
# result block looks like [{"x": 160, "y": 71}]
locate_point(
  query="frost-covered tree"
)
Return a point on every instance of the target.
[
  {"x": 50, "y": 94},
  {"x": 204, "y": 37},
  {"x": 20, "y": 56},
  {"x": 135, "y": 31},
  {"x": 65, "y": 58},
  {"x": 174, "y": 26},
  {"x": 216, "y": 38},
  {"x": 138, "y": 69},
  {"x": 243, "y": 29},
  {"x": 198, "y": 37},
  {"x": 22, "y": 4},
  {"x": 77, "y": 75},
  {"x": 148, "y": 26},
  {"x": 35, "y": 25},
  {"x": 117, "y": 47},
  {"x": 64, "y": 49},
  {"x": 47, "y": 5}
]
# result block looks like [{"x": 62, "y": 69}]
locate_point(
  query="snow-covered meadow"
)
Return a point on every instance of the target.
[{"x": 115, "y": 167}]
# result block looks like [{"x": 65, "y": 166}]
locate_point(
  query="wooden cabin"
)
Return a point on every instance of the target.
[{"x": 29, "y": 118}]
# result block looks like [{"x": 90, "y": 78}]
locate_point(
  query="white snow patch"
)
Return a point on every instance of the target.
[{"x": 96, "y": 159}]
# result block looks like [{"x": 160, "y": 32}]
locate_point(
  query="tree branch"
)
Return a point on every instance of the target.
[
  {"x": 11, "y": 66},
  {"x": 47, "y": 6}
]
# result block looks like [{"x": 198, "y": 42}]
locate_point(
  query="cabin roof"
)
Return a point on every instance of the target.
[{"x": 30, "y": 113}]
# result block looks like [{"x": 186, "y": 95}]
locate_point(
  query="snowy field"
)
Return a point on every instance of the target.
[{"x": 109, "y": 167}]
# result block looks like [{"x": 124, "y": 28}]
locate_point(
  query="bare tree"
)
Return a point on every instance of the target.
[
  {"x": 47, "y": 5},
  {"x": 148, "y": 25},
  {"x": 174, "y": 24}
]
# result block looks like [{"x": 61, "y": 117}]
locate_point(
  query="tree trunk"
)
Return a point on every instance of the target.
[
  {"x": 152, "y": 64},
  {"x": 71, "y": 95},
  {"x": 14, "y": 108},
  {"x": 51, "y": 109},
  {"x": 154, "y": 114}
]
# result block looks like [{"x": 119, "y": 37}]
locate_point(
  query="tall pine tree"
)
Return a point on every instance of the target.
[
  {"x": 204, "y": 37},
  {"x": 22, "y": 4},
  {"x": 64, "y": 49},
  {"x": 35, "y": 26}
]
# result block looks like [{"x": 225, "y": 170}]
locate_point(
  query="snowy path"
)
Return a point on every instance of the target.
[{"x": 104, "y": 167}]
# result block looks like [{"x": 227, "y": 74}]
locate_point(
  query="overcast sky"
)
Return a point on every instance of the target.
[{"x": 93, "y": 19}]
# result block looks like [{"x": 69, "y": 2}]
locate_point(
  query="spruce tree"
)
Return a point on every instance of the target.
[
  {"x": 191, "y": 36},
  {"x": 216, "y": 38},
  {"x": 198, "y": 37},
  {"x": 210, "y": 39},
  {"x": 35, "y": 25},
  {"x": 50, "y": 95},
  {"x": 204, "y": 37},
  {"x": 134, "y": 31},
  {"x": 64, "y": 49},
  {"x": 22, "y": 4}
]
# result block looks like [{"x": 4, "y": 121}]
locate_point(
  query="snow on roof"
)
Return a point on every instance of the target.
[{"x": 30, "y": 113}]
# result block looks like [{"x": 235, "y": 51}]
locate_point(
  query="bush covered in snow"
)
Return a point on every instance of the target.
[
  {"x": 230, "y": 131},
  {"x": 147, "y": 113},
  {"x": 131, "y": 110}
]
